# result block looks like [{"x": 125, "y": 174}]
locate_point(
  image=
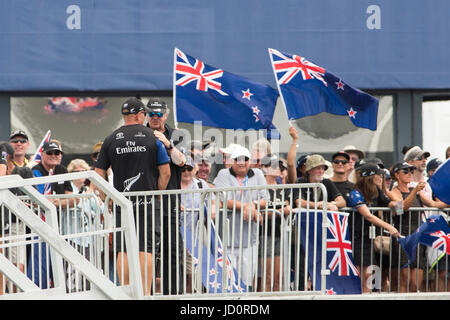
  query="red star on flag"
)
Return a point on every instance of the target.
[
  {"x": 255, "y": 109},
  {"x": 247, "y": 94},
  {"x": 340, "y": 85},
  {"x": 330, "y": 292},
  {"x": 351, "y": 113}
]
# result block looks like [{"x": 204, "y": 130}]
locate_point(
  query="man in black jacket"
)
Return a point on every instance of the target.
[{"x": 170, "y": 277}]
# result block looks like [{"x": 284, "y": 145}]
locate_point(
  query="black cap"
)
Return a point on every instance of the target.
[
  {"x": 18, "y": 133},
  {"x": 50, "y": 146},
  {"x": 342, "y": 154},
  {"x": 157, "y": 105},
  {"x": 302, "y": 159},
  {"x": 133, "y": 106},
  {"x": 369, "y": 169},
  {"x": 433, "y": 164},
  {"x": 401, "y": 165}
]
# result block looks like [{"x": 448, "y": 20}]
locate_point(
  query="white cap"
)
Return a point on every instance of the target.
[
  {"x": 230, "y": 148},
  {"x": 240, "y": 151}
]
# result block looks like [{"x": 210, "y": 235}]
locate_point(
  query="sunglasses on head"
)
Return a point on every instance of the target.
[
  {"x": 54, "y": 153},
  {"x": 187, "y": 168},
  {"x": 340, "y": 161},
  {"x": 152, "y": 113},
  {"x": 19, "y": 140}
]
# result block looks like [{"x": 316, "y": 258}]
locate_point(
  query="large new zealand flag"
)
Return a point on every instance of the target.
[
  {"x": 307, "y": 89},
  {"x": 220, "y": 99}
]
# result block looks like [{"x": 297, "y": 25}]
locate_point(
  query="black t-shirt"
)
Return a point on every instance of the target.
[
  {"x": 332, "y": 191},
  {"x": 134, "y": 155},
  {"x": 277, "y": 200},
  {"x": 175, "y": 174},
  {"x": 57, "y": 187},
  {"x": 344, "y": 188}
]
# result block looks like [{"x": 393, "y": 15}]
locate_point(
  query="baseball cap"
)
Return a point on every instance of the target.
[
  {"x": 240, "y": 151},
  {"x": 433, "y": 164},
  {"x": 351, "y": 148},
  {"x": 231, "y": 147},
  {"x": 342, "y": 154},
  {"x": 369, "y": 169},
  {"x": 316, "y": 160},
  {"x": 157, "y": 105},
  {"x": 376, "y": 161},
  {"x": 133, "y": 106},
  {"x": 270, "y": 160},
  {"x": 415, "y": 153},
  {"x": 302, "y": 159},
  {"x": 18, "y": 133},
  {"x": 401, "y": 165},
  {"x": 50, "y": 146}
]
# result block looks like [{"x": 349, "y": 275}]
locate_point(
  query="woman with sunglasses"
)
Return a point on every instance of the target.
[
  {"x": 367, "y": 193},
  {"x": 410, "y": 278}
]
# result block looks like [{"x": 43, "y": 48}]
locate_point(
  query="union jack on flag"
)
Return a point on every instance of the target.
[
  {"x": 340, "y": 244},
  {"x": 343, "y": 277},
  {"x": 220, "y": 99},
  {"x": 38, "y": 154},
  {"x": 443, "y": 241},
  {"x": 307, "y": 89},
  {"x": 289, "y": 67},
  {"x": 195, "y": 72}
]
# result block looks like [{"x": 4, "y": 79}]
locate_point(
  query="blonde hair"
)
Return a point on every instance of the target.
[
  {"x": 262, "y": 145},
  {"x": 75, "y": 163}
]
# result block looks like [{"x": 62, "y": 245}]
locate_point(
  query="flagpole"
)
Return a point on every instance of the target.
[
  {"x": 174, "y": 95},
  {"x": 278, "y": 85},
  {"x": 38, "y": 151}
]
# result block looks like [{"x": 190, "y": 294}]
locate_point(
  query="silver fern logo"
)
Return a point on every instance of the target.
[{"x": 129, "y": 182}]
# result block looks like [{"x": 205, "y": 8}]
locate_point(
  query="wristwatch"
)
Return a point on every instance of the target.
[{"x": 171, "y": 146}]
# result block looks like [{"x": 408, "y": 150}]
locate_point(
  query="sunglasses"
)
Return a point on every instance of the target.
[
  {"x": 159, "y": 114},
  {"x": 19, "y": 140},
  {"x": 240, "y": 159},
  {"x": 340, "y": 161},
  {"x": 407, "y": 170},
  {"x": 187, "y": 168},
  {"x": 95, "y": 154},
  {"x": 53, "y": 153}
]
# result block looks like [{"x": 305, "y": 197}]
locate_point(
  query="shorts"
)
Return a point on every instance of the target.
[
  {"x": 147, "y": 222},
  {"x": 267, "y": 243}
]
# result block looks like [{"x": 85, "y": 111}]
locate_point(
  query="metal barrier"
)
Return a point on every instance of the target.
[
  {"x": 62, "y": 254},
  {"x": 243, "y": 257},
  {"x": 202, "y": 243},
  {"x": 387, "y": 272}
]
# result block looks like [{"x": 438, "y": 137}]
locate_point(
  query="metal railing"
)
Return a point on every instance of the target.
[
  {"x": 53, "y": 249},
  {"x": 199, "y": 246}
]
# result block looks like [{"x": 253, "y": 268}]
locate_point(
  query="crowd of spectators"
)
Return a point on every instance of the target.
[{"x": 351, "y": 180}]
